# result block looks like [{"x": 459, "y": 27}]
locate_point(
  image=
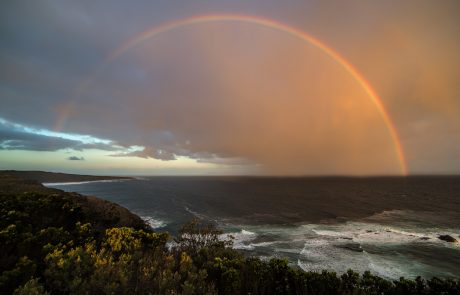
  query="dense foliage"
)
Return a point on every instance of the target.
[{"x": 48, "y": 246}]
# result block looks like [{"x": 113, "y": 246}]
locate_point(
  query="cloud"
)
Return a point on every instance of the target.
[
  {"x": 148, "y": 152},
  {"x": 211, "y": 102},
  {"x": 75, "y": 158},
  {"x": 218, "y": 107},
  {"x": 232, "y": 93},
  {"x": 17, "y": 140},
  {"x": 226, "y": 161},
  {"x": 15, "y": 136}
]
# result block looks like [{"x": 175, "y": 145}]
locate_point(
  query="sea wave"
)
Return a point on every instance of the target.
[
  {"x": 374, "y": 234},
  {"x": 241, "y": 239},
  {"x": 331, "y": 251},
  {"x": 196, "y": 214},
  {"x": 382, "y": 248},
  {"x": 363, "y": 245},
  {"x": 154, "y": 223}
]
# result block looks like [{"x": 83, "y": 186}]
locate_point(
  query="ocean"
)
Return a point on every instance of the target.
[{"x": 387, "y": 225}]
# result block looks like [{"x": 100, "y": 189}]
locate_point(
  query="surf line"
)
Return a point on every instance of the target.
[{"x": 268, "y": 23}]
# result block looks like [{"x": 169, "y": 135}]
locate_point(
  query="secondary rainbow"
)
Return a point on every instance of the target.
[{"x": 347, "y": 66}]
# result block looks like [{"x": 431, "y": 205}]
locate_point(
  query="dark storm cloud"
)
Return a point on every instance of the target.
[
  {"x": 147, "y": 153},
  {"x": 14, "y": 136},
  {"x": 33, "y": 142},
  {"x": 75, "y": 158},
  {"x": 97, "y": 146}
]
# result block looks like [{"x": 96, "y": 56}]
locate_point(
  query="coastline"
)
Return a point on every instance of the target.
[
  {"x": 103, "y": 213},
  {"x": 67, "y": 225},
  {"x": 361, "y": 239},
  {"x": 47, "y": 184},
  {"x": 55, "y": 177}
]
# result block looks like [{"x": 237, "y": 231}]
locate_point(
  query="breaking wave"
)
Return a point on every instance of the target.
[
  {"x": 364, "y": 245},
  {"x": 153, "y": 222}
]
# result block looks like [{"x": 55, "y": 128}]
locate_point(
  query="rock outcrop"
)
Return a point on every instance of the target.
[{"x": 448, "y": 238}]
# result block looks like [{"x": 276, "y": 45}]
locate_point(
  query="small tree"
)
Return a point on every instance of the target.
[{"x": 197, "y": 235}]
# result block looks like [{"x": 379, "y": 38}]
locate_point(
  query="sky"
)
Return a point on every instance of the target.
[{"x": 228, "y": 87}]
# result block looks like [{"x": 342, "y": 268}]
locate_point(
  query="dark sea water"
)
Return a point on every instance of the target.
[{"x": 389, "y": 226}]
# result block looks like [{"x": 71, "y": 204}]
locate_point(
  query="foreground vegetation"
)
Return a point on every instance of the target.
[{"x": 50, "y": 245}]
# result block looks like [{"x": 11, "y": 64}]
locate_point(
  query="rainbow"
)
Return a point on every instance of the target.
[{"x": 256, "y": 20}]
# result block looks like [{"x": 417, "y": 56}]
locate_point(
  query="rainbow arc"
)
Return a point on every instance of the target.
[{"x": 347, "y": 66}]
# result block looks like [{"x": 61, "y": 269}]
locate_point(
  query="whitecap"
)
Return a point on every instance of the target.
[
  {"x": 246, "y": 232},
  {"x": 241, "y": 239},
  {"x": 153, "y": 222},
  {"x": 194, "y": 213}
]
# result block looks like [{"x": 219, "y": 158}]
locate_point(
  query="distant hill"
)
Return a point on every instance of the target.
[{"x": 43, "y": 177}]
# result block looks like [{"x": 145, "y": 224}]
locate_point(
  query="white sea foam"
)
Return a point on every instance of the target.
[
  {"x": 196, "y": 214},
  {"x": 330, "y": 233},
  {"x": 257, "y": 238},
  {"x": 338, "y": 247},
  {"x": 366, "y": 245},
  {"x": 241, "y": 239},
  {"x": 153, "y": 222},
  {"x": 329, "y": 252},
  {"x": 265, "y": 244},
  {"x": 52, "y": 184},
  {"x": 329, "y": 257},
  {"x": 322, "y": 254},
  {"x": 246, "y": 232},
  {"x": 371, "y": 233}
]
